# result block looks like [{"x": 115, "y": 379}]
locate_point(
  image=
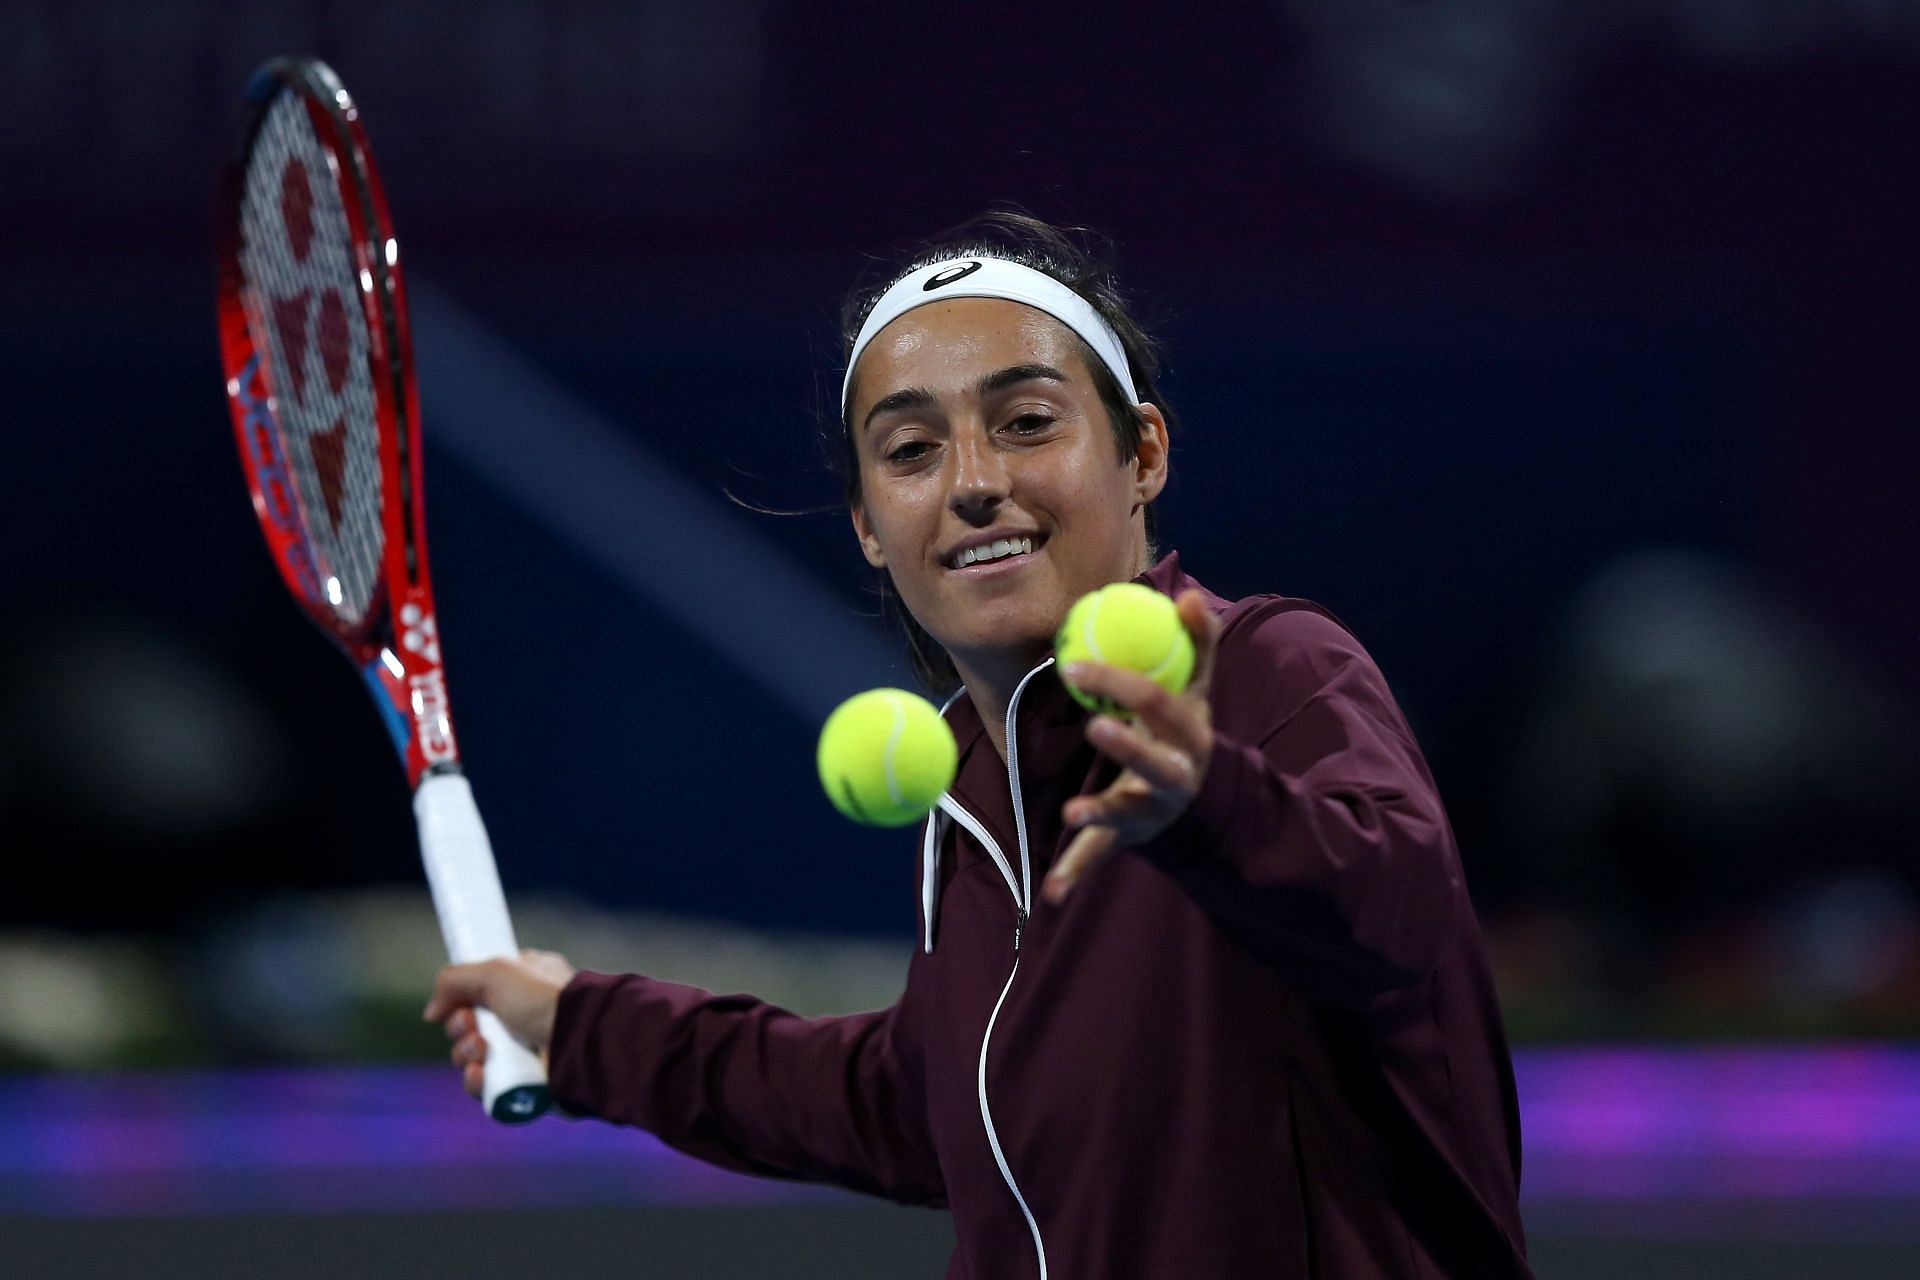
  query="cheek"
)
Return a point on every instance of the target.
[
  {"x": 1090, "y": 490},
  {"x": 897, "y": 516}
]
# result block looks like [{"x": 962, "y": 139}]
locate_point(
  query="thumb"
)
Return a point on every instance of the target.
[
  {"x": 1204, "y": 627},
  {"x": 456, "y": 986}
]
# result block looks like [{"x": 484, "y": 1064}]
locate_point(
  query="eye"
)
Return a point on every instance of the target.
[
  {"x": 1029, "y": 424},
  {"x": 908, "y": 451}
]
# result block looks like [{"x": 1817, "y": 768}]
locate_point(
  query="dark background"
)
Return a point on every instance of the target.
[{"x": 1493, "y": 326}]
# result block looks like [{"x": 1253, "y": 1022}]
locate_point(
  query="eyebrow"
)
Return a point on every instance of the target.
[
  {"x": 998, "y": 380},
  {"x": 907, "y": 398},
  {"x": 1004, "y": 378}
]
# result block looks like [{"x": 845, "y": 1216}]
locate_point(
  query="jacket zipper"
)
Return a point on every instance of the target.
[
  {"x": 993, "y": 1136},
  {"x": 979, "y": 832},
  {"x": 1022, "y": 895}
]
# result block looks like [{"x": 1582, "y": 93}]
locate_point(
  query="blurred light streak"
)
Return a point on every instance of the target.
[
  {"x": 1602, "y": 1127},
  {"x": 597, "y": 487},
  {"x": 1721, "y": 1122},
  {"x": 320, "y": 1140}
]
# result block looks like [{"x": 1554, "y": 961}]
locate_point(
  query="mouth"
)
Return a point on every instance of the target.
[{"x": 995, "y": 556}]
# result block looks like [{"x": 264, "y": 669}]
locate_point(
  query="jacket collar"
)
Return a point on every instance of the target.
[
  {"x": 969, "y": 732},
  {"x": 1021, "y": 815}
]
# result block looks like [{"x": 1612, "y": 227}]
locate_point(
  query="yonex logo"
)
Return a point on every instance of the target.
[
  {"x": 946, "y": 276},
  {"x": 432, "y": 729},
  {"x": 420, "y": 636},
  {"x": 314, "y": 339},
  {"x": 305, "y": 312}
]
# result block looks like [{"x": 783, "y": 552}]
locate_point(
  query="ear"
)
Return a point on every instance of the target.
[
  {"x": 869, "y": 545},
  {"x": 1150, "y": 455}
]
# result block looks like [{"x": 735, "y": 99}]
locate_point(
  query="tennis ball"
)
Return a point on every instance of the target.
[
  {"x": 885, "y": 756},
  {"x": 1126, "y": 625}
]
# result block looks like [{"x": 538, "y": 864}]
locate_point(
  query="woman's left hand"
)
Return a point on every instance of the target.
[{"x": 1165, "y": 750}]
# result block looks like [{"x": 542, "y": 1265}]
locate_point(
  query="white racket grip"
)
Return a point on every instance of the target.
[{"x": 473, "y": 920}]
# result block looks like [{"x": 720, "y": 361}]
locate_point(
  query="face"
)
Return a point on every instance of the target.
[{"x": 976, "y": 422}]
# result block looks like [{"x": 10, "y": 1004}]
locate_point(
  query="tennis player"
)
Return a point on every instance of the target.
[{"x": 1199, "y": 994}]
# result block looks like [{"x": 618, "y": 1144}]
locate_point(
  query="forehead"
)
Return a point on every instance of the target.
[{"x": 952, "y": 344}]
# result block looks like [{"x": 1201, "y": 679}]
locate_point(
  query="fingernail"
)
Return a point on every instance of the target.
[{"x": 1074, "y": 670}]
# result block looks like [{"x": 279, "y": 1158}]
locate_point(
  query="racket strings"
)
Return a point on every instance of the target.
[{"x": 296, "y": 255}]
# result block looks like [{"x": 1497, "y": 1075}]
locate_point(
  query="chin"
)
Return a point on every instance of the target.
[
  {"x": 1000, "y": 621},
  {"x": 1027, "y": 635}
]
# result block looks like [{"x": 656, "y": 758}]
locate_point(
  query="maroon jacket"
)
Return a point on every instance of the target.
[{"x": 1265, "y": 1044}]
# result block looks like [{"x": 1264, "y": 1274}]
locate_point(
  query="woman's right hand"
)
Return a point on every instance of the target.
[{"x": 524, "y": 993}]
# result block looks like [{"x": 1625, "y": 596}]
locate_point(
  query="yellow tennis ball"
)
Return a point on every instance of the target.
[
  {"x": 1126, "y": 625},
  {"x": 885, "y": 756}
]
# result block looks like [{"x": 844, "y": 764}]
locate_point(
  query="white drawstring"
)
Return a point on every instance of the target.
[{"x": 947, "y": 809}]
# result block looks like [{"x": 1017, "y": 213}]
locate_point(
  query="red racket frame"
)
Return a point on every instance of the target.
[{"x": 396, "y": 646}]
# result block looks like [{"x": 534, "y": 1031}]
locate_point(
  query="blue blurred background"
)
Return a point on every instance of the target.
[{"x": 1563, "y": 350}]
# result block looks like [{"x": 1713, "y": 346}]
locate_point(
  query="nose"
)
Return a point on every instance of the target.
[{"x": 980, "y": 482}]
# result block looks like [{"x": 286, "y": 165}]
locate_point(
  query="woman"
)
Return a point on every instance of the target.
[{"x": 1209, "y": 998}]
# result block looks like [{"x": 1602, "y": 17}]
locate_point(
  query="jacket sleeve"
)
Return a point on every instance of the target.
[
  {"x": 747, "y": 1086},
  {"x": 1317, "y": 837}
]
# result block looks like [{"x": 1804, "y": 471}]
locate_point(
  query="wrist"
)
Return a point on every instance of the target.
[{"x": 1204, "y": 822}]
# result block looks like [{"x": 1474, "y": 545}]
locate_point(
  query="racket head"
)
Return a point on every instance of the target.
[{"x": 318, "y": 358}]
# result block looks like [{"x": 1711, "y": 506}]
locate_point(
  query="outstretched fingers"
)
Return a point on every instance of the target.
[
  {"x": 1164, "y": 751},
  {"x": 1090, "y": 848},
  {"x": 1169, "y": 717},
  {"x": 1160, "y": 764}
]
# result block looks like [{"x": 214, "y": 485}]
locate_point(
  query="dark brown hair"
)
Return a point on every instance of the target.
[{"x": 1078, "y": 259}]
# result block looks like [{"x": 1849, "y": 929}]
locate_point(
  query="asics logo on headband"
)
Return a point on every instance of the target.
[{"x": 959, "y": 271}]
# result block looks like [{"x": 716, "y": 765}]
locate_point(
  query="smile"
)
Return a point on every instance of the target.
[{"x": 998, "y": 553}]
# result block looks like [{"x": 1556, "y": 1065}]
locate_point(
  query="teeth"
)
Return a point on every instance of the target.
[{"x": 993, "y": 551}]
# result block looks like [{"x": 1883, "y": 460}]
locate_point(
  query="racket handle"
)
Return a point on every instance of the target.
[{"x": 473, "y": 919}]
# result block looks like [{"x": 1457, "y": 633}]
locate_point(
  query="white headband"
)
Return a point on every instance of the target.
[{"x": 994, "y": 278}]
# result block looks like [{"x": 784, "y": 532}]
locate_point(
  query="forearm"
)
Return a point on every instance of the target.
[
  {"x": 746, "y": 1085},
  {"x": 1325, "y": 849}
]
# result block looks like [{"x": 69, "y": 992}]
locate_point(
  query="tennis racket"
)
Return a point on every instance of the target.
[{"x": 320, "y": 384}]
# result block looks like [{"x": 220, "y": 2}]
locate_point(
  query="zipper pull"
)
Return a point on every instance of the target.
[{"x": 1019, "y": 924}]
